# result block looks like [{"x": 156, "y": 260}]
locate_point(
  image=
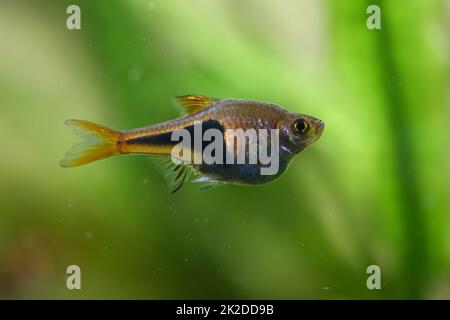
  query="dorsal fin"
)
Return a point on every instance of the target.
[{"x": 195, "y": 103}]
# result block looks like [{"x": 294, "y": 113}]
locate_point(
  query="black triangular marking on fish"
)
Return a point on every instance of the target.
[{"x": 164, "y": 139}]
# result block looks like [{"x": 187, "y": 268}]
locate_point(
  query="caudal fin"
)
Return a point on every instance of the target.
[{"x": 98, "y": 142}]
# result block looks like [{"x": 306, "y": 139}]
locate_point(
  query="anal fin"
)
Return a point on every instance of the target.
[{"x": 175, "y": 174}]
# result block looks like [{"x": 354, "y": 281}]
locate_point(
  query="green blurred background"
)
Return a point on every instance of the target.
[{"x": 373, "y": 190}]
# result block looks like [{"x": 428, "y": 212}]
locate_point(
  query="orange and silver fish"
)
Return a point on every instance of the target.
[{"x": 295, "y": 133}]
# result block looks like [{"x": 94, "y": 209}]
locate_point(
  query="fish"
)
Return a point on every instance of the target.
[{"x": 287, "y": 134}]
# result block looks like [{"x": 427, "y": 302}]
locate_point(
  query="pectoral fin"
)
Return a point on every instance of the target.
[{"x": 208, "y": 182}]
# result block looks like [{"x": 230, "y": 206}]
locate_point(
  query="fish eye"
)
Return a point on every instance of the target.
[{"x": 301, "y": 126}]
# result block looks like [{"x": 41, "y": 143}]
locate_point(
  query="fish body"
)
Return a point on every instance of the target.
[{"x": 294, "y": 132}]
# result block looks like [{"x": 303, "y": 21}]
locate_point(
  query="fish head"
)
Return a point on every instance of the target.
[{"x": 298, "y": 131}]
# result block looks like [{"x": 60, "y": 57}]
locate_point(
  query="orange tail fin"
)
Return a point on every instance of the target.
[{"x": 98, "y": 142}]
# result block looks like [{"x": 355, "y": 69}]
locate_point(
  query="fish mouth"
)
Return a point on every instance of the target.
[{"x": 320, "y": 125}]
